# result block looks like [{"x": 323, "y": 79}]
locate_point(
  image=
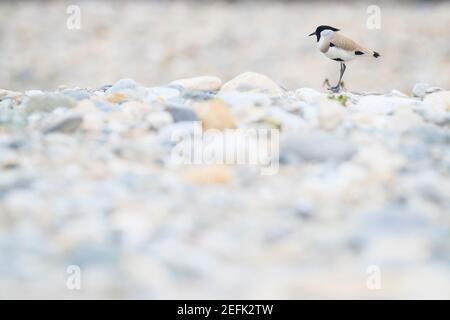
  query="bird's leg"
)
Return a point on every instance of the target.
[
  {"x": 342, "y": 73},
  {"x": 326, "y": 82},
  {"x": 337, "y": 88}
]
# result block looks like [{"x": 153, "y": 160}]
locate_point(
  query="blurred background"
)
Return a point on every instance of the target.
[
  {"x": 85, "y": 178},
  {"x": 155, "y": 42}
]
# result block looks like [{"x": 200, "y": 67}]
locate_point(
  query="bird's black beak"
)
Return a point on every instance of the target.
[{"x": 312, "y": 34}]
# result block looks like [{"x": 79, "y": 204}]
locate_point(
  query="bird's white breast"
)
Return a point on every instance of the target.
[
  {"x": 337, "y": 53},
  {"x": 334, "y": 52}
]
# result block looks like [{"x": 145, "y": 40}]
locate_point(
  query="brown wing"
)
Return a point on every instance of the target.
[{"x": 347, "y": 44}]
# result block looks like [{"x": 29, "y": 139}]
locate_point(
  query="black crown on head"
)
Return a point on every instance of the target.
[{"x": 322, "y": 28}]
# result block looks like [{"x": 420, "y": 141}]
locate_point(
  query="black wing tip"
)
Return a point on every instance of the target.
[{"x": 376, "y": 54}]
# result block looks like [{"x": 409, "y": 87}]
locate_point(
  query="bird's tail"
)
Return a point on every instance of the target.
[{"x": 370, "y": 52}]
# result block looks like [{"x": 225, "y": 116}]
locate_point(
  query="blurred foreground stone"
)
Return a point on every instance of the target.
[{"x": 88, "y": 178}]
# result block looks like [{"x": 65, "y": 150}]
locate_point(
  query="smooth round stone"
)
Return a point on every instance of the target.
[
  {"x": 34, "y": 93},
  {"x": 432, "y": 135},
  {"x": 397, "y": 93},
  {"x": 135, "y": 107},
  {"x": 315, "y": 146},
  {"x": 48, "y": 102},
  {"x": 78, "y": 95},
  {"x": 404, "y": 119},
  {"x": 331, "y": 115},
  {"x": 198, "y": 95},
  {"x": 309, "y": 113},
  {"x": 5, "y": 104},
  {"x": 283, "y": 119},
  {"x": 309, "y": 95},
  {"x": 85, "y": 107},
  {"x": 392, "y": 219},
  {"x": 207, "y": 175},
  {"x": 436, "y": 107},
  {"x": 382, "y": 105},
  {"x": 159, "y": 119},
  {"x": 184, "y": 129},
  {"x": 93, "y": 121},
  {"x": 161, "y": 93},
  {"x": 121, "y": 85},
  {"x": 204, "y": 83},
  {"x": 182, "y": 114},
  {"x": 106, "y": 106},
  {"x": 253, "y": 82},
  {"x": 215, "y": 114},
  {"x": 438, "y": 100},
  {"x": 67, "y": 125},
  {"x": 8, "y": 159},
  {"x": 420, "y": 90},
  {"x": 368, "y": 120},
  {"x": 8, "y": 93},
  {"x": 246, "y": 99}
]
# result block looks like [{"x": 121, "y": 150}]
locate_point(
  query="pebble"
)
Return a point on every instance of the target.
[
  {"x": 420, "y": 90},
  {"x": 331, "y": 115},
  {"x": 208, "y": 175},
  {"x": 439, "y": 101},
  {"x": 205, "y": 83},
  {"x": 9, "y": 93},
  {"x": 34, "y": 93},
  {"x": 215, "y": 114},
  {"x": 93, "y": 121},
  {"x": 283, "y": 120},
  {"x": 245, "y": 99},
  {"x": 68, "y": 125},
  {"x": 368, "y": 120},
  {"x": 397, "y": 93},
  {"x": 180, "y": 114},
  {"x": 310, "y": 96},
  {"x": 404, "y": 119},
  {"x": 436, "y": 107},
  {"x": 78, "y": 94},
  {"x": 136, "y": 108},
  {"x": 253, "y": 82},
  {"x": 161, "y": 94},
  {"x": 311, "y": 146},
  {"x": 382, "y": 105},
  {"x": 116, "y": 98},
  {"x": 122, "y": 85},
  {"x": 47, "y": 102},
  {"x": 158, "y": 120}
]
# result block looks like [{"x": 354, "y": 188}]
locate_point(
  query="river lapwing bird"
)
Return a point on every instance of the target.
[{"x": 339, "y": 48}]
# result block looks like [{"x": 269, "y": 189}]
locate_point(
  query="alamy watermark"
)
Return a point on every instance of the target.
[
  {"x": 373, "y": 277},
  {"x": 73, "y": 281},
  {"x": 73, "y": 21},
  {"x": 373, "y": 22},
  {"x": 258, "y": 147}
]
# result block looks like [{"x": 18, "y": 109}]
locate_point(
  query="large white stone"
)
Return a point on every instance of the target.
[
  {"x": 253, "y": 82},
  {"x": 309, "y": 95},
  {"x": 404, "y": 119},
  {"x": 204, "y": 83},
  {"x": 422, "y": 89},
  {"x": 331, "y": 115},
  {"x": 161, "y": 94},
  {"x": 438, "y": 101},
  {"x": 382, "y": 104},
  {"x": 121, "y": 85}
]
